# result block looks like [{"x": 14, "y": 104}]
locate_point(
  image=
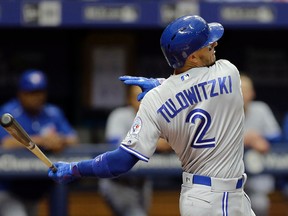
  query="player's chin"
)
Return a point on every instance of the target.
[{"x": 212, "y": 62}]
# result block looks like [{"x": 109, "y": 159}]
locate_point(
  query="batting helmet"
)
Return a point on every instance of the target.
[
  {"x": 186, "y": 35},
  {"x": 32, "y": 80}
]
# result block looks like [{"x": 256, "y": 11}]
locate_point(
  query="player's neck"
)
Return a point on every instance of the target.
[
  {"x": 183, "y": 69},
  {"x": 190, "y": 63}
]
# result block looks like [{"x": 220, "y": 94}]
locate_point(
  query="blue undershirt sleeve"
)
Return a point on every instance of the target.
[{"x": 108, "y": 165}]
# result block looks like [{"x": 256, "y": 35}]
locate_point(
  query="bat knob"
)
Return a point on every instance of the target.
[
  {"x": 54, "y": 169},
  {"x": 6, "y": 119}
]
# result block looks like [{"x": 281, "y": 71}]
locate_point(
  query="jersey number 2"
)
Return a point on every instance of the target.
[{"x": 201, "y": 130}]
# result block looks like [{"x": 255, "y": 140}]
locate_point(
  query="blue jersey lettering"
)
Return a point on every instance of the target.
[
  {"x": 213, "y": 85},
  {"x": 191, "y": 96}
]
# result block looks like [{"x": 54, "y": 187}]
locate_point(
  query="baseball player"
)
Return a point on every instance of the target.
[
  {"x": 199, "y": 111},
  {"x": 48, "y": 127}
]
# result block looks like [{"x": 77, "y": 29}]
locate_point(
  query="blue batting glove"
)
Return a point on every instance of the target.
[
  {"x": 66, "y": 172},
  {"x": 146, "y": 84}
]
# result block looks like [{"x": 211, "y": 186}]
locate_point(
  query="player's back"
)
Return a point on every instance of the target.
[{"x": 200, "y": 113}]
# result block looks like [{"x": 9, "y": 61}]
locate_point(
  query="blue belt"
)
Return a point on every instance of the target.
[{"x": 205, "y": 180}]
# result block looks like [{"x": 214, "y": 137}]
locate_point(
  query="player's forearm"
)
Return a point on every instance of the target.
[
  {"x": 108, "y": 165},
  {"x": 10, "y": 143},
  {"x": 71, "y": 140},
  {"x": 255, "y": 141},
  {"x": 55, "y": 142},
  {"x": 163, "y": 146}
]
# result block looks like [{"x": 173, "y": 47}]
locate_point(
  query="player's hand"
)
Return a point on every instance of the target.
[
  {"x": 255, "y": 141},
  {"x": 146, "y": 84},
  {"x": 50, "y": 142},
  {"x": 66, "y": 172},
  {"x": 53, "y": 142}
]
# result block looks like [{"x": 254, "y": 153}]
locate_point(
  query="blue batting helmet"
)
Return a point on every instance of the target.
[
  {"x": 32, "y": 80},
  {"x": 186, "y": 35}
]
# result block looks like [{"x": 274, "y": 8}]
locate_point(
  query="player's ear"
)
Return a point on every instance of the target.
[{"x": 192, "y": 58}]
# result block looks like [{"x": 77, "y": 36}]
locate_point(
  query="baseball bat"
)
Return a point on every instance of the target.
[{"x": 10, "y": 124}]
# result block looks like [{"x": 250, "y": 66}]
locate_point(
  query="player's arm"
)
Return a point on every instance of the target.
[
  {"x": 254, "y": 140},
  {"x": 8, "y": 142},
  {"x": 146, "y": 84},
  {"x": 107, "y": 165}
]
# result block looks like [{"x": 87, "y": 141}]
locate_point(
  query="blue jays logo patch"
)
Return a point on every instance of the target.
[{"x": 136, "y": 127}]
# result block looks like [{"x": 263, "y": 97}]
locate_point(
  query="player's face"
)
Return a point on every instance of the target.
[
  {"x": 32, "y": 101},
  {"x": 247, "y": 89},
  {"x": 206, "y": 55}
]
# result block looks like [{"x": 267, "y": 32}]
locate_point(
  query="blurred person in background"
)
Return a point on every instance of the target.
[
  {"x": 127, "y": 195},
  {"x": 285, "y": 128},
  {"x": 282, "y": 182},
  {"x": 48, "y": 128},
  {"x": 261, "y": 130}
]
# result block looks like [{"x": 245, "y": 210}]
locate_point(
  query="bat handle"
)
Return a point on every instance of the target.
[{"x": 53, "y": 168}]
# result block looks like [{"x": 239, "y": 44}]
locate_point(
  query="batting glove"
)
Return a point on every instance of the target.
[
  {"x": 146, "y": 84},
  {"x": 66, "y": 172}
]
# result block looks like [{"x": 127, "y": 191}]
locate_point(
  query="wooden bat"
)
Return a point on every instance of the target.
[{"x": 10, "y": 124}]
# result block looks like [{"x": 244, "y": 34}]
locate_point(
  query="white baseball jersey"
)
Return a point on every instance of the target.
[{"x": 200, "y": 113}]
